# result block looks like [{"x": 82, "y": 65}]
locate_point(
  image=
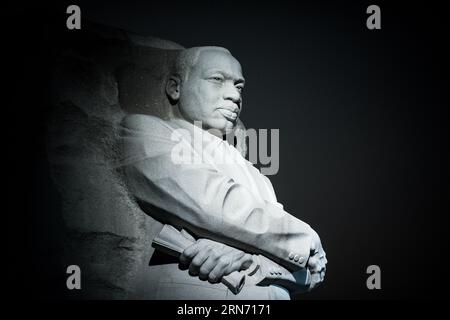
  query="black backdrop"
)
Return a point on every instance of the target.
[{"x": 362, "y": 117}]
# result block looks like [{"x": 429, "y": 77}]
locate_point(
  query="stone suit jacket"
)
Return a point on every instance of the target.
[{"x": 184, "y": 172}]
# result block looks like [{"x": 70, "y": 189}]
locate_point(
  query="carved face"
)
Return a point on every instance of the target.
[{"x": 212, "y": 93}]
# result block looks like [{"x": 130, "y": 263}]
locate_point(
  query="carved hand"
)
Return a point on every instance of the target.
[
  {"x": 212, "y": 260},
  {"x": 317, "y": 261}
]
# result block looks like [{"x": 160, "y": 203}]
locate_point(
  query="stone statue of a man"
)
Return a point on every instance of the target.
[{"x": 216, "y": 196}]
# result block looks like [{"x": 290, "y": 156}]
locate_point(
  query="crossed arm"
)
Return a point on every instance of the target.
[
  {"x": 201, "y": 199},
  {"x": 211, "y": 260}
]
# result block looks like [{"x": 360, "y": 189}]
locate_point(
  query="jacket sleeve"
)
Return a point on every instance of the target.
[
  {"x": 210, "y": 204},
  {"x": 270, "y": 273}
]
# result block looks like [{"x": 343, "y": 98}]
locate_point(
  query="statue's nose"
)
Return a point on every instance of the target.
[{"x": 233, "y": 94}]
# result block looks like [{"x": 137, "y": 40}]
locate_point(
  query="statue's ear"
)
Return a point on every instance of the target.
[{"x": 173, "y": 88}]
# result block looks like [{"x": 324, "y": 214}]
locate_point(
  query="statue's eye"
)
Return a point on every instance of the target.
[
  {"x": 240, "y": 88},
  {"x": 216, "y": 78}
]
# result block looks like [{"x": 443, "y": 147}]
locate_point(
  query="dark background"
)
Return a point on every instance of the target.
[{"x": 362, "y": 117}]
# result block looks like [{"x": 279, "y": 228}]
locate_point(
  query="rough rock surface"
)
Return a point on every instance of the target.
[{"x": 106, "y": 233}]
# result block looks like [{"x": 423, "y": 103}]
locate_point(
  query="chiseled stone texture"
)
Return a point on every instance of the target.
[{"x": 101, "y": 74}]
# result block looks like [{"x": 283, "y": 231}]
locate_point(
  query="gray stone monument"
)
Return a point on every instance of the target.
[{"x": 117, "y": 100}]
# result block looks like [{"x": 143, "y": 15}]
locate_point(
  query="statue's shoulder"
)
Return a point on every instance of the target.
[{"x": 146, "y": 123}]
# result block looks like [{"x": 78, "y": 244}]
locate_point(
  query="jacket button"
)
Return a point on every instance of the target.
[
  {"x": 301, "y": 259},
  {"x": 291, "y": 256},
  {"x": 296, "y": 257}
]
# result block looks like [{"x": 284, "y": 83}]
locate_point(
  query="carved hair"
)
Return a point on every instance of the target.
[{"x": 188, "y": 58}]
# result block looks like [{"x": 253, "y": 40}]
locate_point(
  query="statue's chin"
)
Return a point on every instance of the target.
[{"x": 225, "y": 126}]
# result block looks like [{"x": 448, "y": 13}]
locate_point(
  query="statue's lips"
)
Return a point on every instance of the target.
[{"x": 229, "y": 114}]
